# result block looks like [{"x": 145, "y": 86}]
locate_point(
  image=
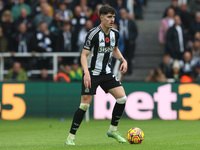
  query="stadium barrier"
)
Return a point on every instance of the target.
[
  {"x": 144, "y": 101},
  {"x": 54, "y": 55}
]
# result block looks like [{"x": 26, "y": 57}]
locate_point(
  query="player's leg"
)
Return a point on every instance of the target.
[
  {"x": 120, "y": 96},
  {"x": 78, "y": 118}
]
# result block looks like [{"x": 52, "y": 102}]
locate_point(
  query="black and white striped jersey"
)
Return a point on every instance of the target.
[{"x": 101, "y": 47}]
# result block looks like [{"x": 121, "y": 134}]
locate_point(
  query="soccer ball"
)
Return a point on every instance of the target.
[{"x": 135, "y": 136}]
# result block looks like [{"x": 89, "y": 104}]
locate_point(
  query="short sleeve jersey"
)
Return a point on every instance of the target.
[{"x": 101, "y": 47}]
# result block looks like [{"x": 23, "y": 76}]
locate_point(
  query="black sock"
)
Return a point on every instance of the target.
[
  {"x": 117, "y": 113},
  {"x": 78, "y": 117}
]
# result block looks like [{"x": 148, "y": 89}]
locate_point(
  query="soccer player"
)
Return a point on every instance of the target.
[{"x": 99, "y": 47}]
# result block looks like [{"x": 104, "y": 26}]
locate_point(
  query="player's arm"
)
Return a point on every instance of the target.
[
  {"x": 117, "y": 54},
  {"x": 87, "y": 80}
]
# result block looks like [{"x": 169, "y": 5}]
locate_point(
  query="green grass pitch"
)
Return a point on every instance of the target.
[{"x": 50, "y": 134}]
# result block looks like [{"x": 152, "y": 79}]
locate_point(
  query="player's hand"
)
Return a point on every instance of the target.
[
  {"x": 87, "y": 80},
  {"x": 123, "y": 67}
]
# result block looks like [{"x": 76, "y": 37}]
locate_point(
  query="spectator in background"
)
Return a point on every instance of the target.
[
  {"x": 119, "y": 5},
  {"x": 4, "y": 47},
  {"x": 3, "y": 42},
  {"x": 82, "y": 34},
  {"x": 63, "y": 74},
  {"x": 110, "y": 3},
  {"x": 166, "y": 65},
  {"x": 182, "y": 2},
  {"x": 174, "y": 5},
  {"x": 37, "y": 8},
  {"x": 139, "y": 11},
  {"x": 69, "y": 3},
  {"x": 76, "y": 72},
  {"x": 195, "y": 49},
  {"x": 186, "y": 17},
  {"x": 15, "y": 10},
  {"x": 176, "y": 71},
  {"x": 24, "y": 18},
  {"x": 55, "y": 28},
  {"x": 56, "y": 24},
  {"x": 81, "y": 38},
  {"x": 77, "y": 22},
  {"x": 42, "y": 43},
  {"x": 43, "y": 16},
  {"x": 186, "y": 79},
  {"x": 190, "y": 42},
  {"x": 129, "y": 32},
  {"x": 2, "y": 7},
  {"x": 176, "y": 40},
  {"x": 7, "y": 24},
  {"x": 65, "y": 13},
  {"x": 87, "y": 11},
  {"x": 95, "y": 17},
  {"x": 156, "y": 75},
  {"x": 31, "y": 3},
  {"x": 196, "y": 72},
  {"x": 120, "y": 41},
  {"x": 64, "y": 43},
  {"x": 130, "y": 4},
  {"x": 20, "y": 43},
  {"x": 17, "y": 73},
  {"x": 42, "y": 39},
  {"x": 165, "y": 24},
  {"x": 8, "y": 4},
  {"x": 54, "y": 3},
  {"x": 194, "y": 6},
  {"x": 79, "y": 19},
  {"x": 92, "y": 4},
  {"x": 197, "y": 35},
  {"x": 194, "y": 26},
  {"x": 187, "y": 63},
  {"x": 44, "y": 76},
  {"x": 116, "y": 63}
]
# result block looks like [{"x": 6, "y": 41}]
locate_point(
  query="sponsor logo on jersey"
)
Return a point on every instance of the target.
[{"x": 103, "y": 49}]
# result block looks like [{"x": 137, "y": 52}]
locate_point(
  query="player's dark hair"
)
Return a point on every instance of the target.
[{"x": 104, "y": 10}]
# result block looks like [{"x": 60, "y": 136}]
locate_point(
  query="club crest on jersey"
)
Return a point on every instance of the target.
[
  {"x": 103, "y": 49},
  {"x": 112, "y": 40}
]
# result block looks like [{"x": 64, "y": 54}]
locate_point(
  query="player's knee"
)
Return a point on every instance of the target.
[
  {"x": 84, "y": 106},
  {"x": 122, "y": 100}
]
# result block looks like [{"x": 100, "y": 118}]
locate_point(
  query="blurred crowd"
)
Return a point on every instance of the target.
[
  {"x": 59, "y": 26},
  {"x": 179, "y": 34}
]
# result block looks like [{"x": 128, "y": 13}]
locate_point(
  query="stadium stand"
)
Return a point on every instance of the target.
[{"x": 44, "y": 21}]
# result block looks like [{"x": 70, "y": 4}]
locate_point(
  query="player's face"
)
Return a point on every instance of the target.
[{"x": 108, "y": 20}]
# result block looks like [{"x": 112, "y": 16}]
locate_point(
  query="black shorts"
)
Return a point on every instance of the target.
[{"x": 106, "y": 82}]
